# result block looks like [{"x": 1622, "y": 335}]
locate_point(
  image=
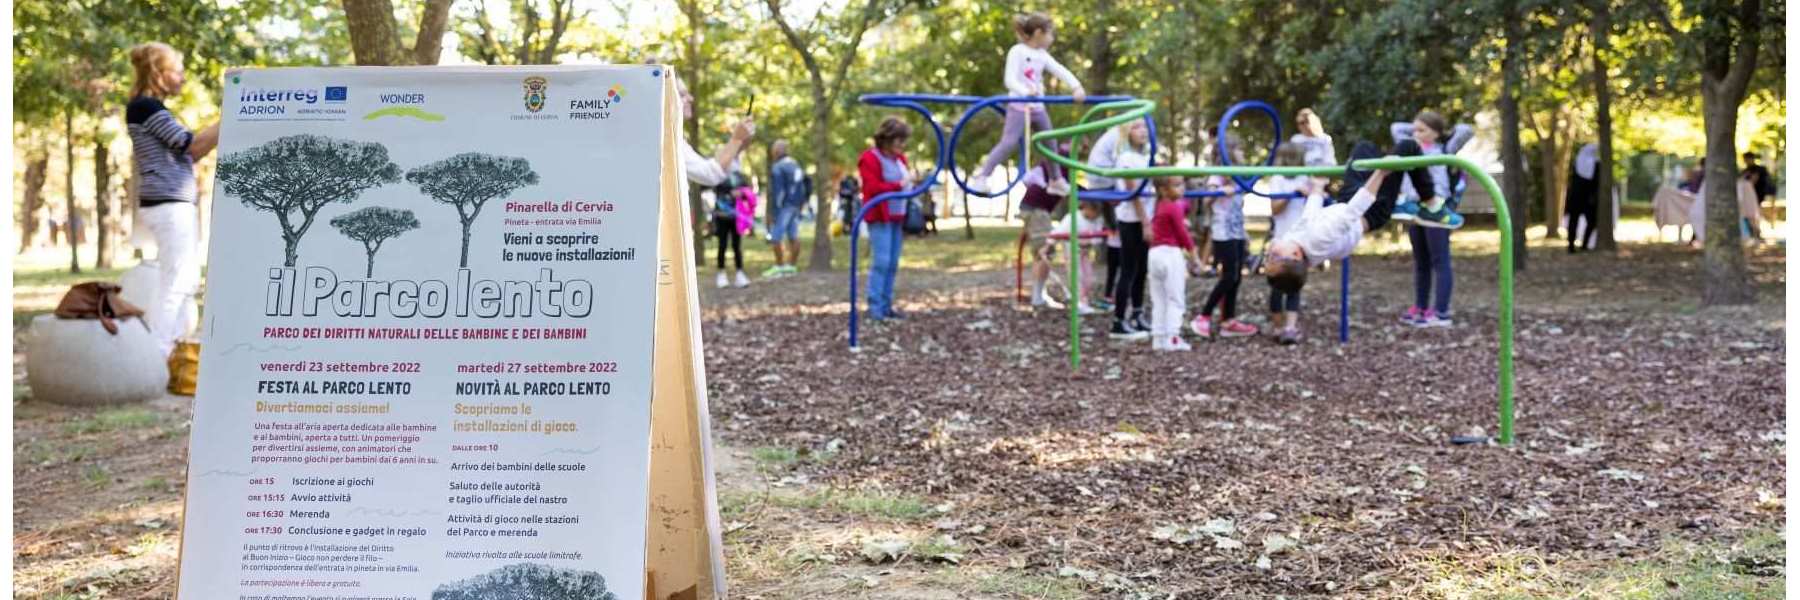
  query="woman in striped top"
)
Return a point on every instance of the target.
[{"x": 163, "y": 152}]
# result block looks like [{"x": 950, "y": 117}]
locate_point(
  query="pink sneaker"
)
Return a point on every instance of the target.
[
  {"x": 1202, "y": 326},
  {"x": 1412, "y": 316},
  {"x": 1235, "y": 328}
]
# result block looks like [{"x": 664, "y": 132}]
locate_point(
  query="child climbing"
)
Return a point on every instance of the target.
[
  {"x": 1230, "y": 244},
  {"x": 1026, "y": 63},
  {"x": 1435, "y": 208},
  {"x": 1171, "y": 258}
]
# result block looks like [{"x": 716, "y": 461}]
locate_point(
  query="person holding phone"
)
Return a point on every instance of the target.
[{"x": 712, "y": 171}]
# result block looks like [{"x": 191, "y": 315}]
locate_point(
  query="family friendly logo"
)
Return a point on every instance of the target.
[
  {"x": 596, "y": 108},
  {"x": 536, "y": 93}
]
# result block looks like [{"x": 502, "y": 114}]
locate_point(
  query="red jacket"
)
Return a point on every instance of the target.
[{"x": 869, "y": 166}]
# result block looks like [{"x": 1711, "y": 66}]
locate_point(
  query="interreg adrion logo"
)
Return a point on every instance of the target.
[{"x": 536, "y": 93}]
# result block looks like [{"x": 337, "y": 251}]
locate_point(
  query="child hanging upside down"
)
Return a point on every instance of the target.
[{"x": 1331, "y": 232}]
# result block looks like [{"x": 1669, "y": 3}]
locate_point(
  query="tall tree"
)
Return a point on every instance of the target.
[
  {"x": 37, "y": 171},
  {"x": 534, "y": 35},
  {"x": 375, "y": 36},
  {"x": 808, "y": 45},
  {"x": 468, "y": 181},
  {"x": 102, "y": 201},
  {"x": 295, "y": 176},
  {"x": 1512, "y": 154},
  {"x": 1726, "y": 40},
  {"x": 73, "y": 213},
  {"x": 373, "y": 226},
  {"x": 694, "y": 58},
  {"x": 1603, "y": 175}
]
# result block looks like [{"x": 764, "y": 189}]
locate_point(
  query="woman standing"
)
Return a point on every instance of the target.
[
  {"x": 884, "y": 169},
  {"x": 1581, "y": 203},
  {"x": 1313, "y": 139},
  {"x": 163, "y": 155}
]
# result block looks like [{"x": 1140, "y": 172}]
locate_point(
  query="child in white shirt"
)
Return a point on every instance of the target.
[
  {"x": 1332, "y": 232},
  {"x": 1026, "y": 63},
  {"x": 1091, "y": 234}
]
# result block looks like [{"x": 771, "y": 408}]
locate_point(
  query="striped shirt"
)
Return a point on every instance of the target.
[{"x": 159, "y": 145}]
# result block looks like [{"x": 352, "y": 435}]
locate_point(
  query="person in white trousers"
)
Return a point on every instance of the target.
[
  {"x": 163, "y": 155},
  {"x": 1171, "y": 258}
]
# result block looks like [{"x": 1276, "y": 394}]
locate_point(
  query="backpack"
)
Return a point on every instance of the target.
[{"x": 915, "y": 216}]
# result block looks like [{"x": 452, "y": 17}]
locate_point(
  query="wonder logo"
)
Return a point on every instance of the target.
[{"x": 537, "y": 92}]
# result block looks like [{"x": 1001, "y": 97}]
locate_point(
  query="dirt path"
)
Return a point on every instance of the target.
[{"x": 956, "y": 457}]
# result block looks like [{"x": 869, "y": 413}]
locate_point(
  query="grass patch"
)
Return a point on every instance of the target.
[
  {"x": 1753, "y": 567},
  {"x": 60, "y": 276},
  {"x": 157, "y": 485},
  {"x": 775, "y": 459},
  {"x": 96, "y": 476},
  {"x": 115, "y": 419}
]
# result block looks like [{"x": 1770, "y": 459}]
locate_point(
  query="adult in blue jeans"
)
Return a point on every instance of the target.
[
  {"x": 884, "y": 169},
  {"x": 787, "y": 196}
]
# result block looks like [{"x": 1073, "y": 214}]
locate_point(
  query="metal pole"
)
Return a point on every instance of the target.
[{"x": 1344, "y": 303}]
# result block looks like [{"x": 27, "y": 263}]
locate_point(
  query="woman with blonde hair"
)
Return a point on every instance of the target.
[{"x": 163, "y": 154}]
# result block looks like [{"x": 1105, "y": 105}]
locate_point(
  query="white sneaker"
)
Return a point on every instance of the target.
[
  {"x": 1084, "y": 310},
  {"x": 979, "y": 184},
  {"x": 1176, "y": 344},
  {"x": 1047, "y": 301},
  {"x": 724, "y": 280},
  {"x": 1058, "y": 188},
  {"x": 742, "y": 280}
]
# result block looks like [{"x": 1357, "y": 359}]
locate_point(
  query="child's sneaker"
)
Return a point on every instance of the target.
[
  {"x": 1084, "y": 310},
  {"x": 1442, "y": 218},
  {"x": 1138, "y": 322},
  {"x": 1406, "y": 211},
  {"x": 772, "y": 272},
  {"x": 1432, "y": 319},
  {"x": 979, "y": 184},
  {"x": 1289, "y": 336},
  {"x": 1058, "y": 188},
  {"x": 1235, "y": 328},
  {"x": 1202, "y": 326},
  {"x": 1046, "y": 301},
  {"x": 742, "y": 280},
  {"x": 1412, "y": 316},
  {"x": 1123, "y": 332},
  {"x": 1103, "y": 306},
  {"x": 724, "y": 280},
  {"x": 1175, "y": 344}
]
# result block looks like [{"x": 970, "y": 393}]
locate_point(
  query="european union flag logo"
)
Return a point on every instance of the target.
[{"x": 337, "y": 93}]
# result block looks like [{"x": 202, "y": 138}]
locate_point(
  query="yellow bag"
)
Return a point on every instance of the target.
[
  {"x": 837, "y": 229},
  {"x": 184, "y": 368}
]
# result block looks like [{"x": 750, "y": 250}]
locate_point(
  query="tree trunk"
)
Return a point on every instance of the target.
[
  {"x": 69, "y": 189},
  {"x": 1553, "y": 193},
  {"x": 369, "y": 271},
  {"x": 1512, "y": 182},
  {"x": 102, "y": 204},
  {"x": 1727, "y": 62},
  {"x": 1100, "y": 51},
  {"x": 1725, "y": 278},
  {"x": 968, "y": 219},
  {"x": 37, "y": 170},
  {"x": 291, "y": 252},
  {"x": 373, "y": 39},
  {"x": 695, "y": 64},
  {"x": 821, "y": 140},
  {"x": 1603, "y": 174},
  {"x": 430, "y": 43},
  {"x": 465, "y": 246}
]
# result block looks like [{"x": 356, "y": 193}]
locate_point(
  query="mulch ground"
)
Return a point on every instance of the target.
[{"x": 1638, "y": 419}]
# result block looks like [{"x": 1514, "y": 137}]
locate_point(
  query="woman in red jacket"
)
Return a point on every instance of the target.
[{"x": 884, "y": 169}]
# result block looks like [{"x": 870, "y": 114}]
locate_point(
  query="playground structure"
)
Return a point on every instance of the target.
[{"x": 1126, "y": 109}]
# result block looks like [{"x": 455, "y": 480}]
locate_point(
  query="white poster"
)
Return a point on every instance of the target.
[{"x": 426, "y": 364}]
